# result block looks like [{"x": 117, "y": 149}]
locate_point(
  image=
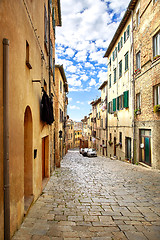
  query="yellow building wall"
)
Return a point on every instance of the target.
[{"x": 16, "y": 27}]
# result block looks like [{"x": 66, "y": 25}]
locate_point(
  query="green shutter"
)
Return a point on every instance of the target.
[
  {"x": 117, "y": 103},
  {"x": 118, "y": 46},
  {"x": 126, "y": 102},
  {"x": 114, "y": 104},
  {"x": 108, "y": 108},
  {"x": 124, "y": 37}
]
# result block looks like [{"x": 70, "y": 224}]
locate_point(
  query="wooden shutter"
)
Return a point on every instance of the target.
[
  {"x": 114, "y": 104},
  {"x": 126, "y": 102},
  {"x": 117, "y": 103}
]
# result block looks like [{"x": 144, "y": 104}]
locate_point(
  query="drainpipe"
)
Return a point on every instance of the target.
[
  {"x": 133, "y": 92},
  {"x": 49, "y": 47},
  {"x": 6, "y": 139}
]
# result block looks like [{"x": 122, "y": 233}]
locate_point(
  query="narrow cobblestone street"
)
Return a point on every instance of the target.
[{"x": 96, "y": 199}]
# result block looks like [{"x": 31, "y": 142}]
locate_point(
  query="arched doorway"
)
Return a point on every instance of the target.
[{"x": 28, "y": 158}]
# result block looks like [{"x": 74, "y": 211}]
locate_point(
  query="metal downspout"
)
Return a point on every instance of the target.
[
  {"x": 6, "y": 139},
  {"x": 49, "y": 47},
  {"x": 133, "y": 92}
]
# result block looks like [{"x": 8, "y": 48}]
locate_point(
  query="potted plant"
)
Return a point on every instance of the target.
[
  {"x": 110, "y": 142},
  {"x": 137, "y": 111},
  {"x": 156, "y": 108}
]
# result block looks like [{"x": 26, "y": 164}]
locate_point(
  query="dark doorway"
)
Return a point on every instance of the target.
[
  {"x": 114, "y": 146},
  {"x": 128, "y": 148}
]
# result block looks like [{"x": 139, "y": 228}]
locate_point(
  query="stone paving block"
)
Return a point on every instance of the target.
[
  {"x": 66, "y": 223},
  {"x": 75, "y": 218},
  {"x": 127, "y": 227},
  {"x": 91, "y": 218},
  {"x": 89, "y": 199},
  {"x": 119, "y": 236},
  {"x": 132, "y": 235}
]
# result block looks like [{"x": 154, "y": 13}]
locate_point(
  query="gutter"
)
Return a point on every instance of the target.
[{"x": 6, "y": 139}]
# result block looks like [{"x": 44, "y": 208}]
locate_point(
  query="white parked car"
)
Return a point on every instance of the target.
[
  {"x": 91, "y": 152},
  {"x": 84, "y": 151},
  {"x": 80, "y": 150}
]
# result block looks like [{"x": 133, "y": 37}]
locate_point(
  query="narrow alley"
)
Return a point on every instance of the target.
[{"x": 96, "y": 199}]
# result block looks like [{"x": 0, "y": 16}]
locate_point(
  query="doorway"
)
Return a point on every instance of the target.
[
  {"x": 45, "y": 157},
  {"x": 114, "y": 146},
  {"x": 145, "y": 146},
  {"x": 28, "y": 159},
  {"x": 128, "y": 148}
]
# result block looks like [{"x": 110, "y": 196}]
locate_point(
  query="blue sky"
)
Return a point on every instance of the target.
[{"x": 87, "y": 29}]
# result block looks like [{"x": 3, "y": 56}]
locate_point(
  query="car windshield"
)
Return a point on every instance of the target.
[{"x": 91, "y": 150}]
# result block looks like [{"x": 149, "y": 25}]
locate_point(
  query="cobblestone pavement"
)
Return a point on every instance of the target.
[{"x": 96, "y": 199}]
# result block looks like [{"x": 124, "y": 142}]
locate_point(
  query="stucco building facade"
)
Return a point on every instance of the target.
[{"x": 27, "y": 66}]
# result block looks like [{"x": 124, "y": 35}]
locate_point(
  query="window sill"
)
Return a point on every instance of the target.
[
  {"x": 137, "y": 71},
  {"x": 156, "y": 58}
]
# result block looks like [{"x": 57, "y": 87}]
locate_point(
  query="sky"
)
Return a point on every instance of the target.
[{"x": 88, "y": 27}]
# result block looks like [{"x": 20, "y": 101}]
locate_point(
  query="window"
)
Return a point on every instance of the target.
[
  {"x": 110, "y": 136},
  {"x": 51, "y": 56},
  {"x": 120, "y": 137},
  {"x": 115, "y": 75},
  {"x": 125, "y": 37},
  {"x": 120, "y": 69},
  {"x": 114, "y": 104},
  {"x": 71, "y": 135},
  {"x": 126, "y": 99},
  {"x": 27, "y": 56},
  {"x": 45, "y": 28},
  {"x": 157, "y": 95},
  {"x": 110, "y": 107},
  {"x": 154, "y": 1},
  {"x": 126, "y": 61},
  {"x": 109, "y": 80},
  {"x": 138, "y": 61},
  {"x": 60, "y": 86},
  {"x": 138, "y": 101},
  {"x": 138, "y": 18},
  {"x": 128, "y": 31},
  {"x": 109, "y": 61},
  {"x": 156, "y": 45}
]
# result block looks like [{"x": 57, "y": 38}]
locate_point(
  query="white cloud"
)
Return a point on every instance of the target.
[
  {"x": 69, "y": 52},
  {"x": 73, "y": 89},
  {"x": 80, "y": 102},
  {"x": 74, "y": 82},
  {"x": 102, "y": 76},
  {"x": 92, "y": 82},
  {"x": 84, "y": 77},
  {"x": 74, "y": 107},
  {"x": 72, "y": 69},
  {"x": 69, "y": 99}
]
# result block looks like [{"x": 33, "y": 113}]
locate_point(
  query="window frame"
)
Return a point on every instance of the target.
[
  {"x": 126, "y": 56},
  {"x": 115, "y": 75},
  {"x": 120, "y": 69},
  {"x": 138, "y": 60},
  {"x": 138, "y": 101},
  {"x": 157, "y": 53},
  {"x": 156, "y": 94}
]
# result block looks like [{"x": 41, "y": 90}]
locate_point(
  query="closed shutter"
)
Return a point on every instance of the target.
[
  {"x": 114, "y": 104},
  {"x": 117, "y": 103},
  {"x": 126, "y": 102}
]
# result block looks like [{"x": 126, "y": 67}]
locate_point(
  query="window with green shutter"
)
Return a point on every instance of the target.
[
  {"x": 128, "y": 30},
  {"x": 120, "y": 69},
  {"x": 126, "y": 99},
  {"x": 114, "y": 104},
  {"x": 110, "y": 81},
  {"x": 117, "y": 103},
  {"x": 126, "y": 61},
  {"x": 124, "y": 37},
  {"x": 122, "y": 101},
  {"x": 115, "y": 75},
  {"x": 118, "y": 46}
]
